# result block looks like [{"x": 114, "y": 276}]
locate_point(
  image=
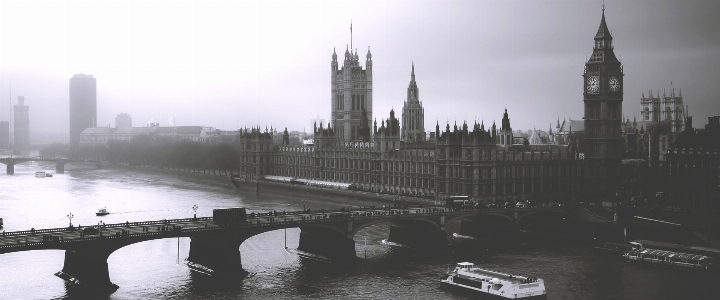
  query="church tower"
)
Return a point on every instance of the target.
[
  {"x": 505, "y": 135},
  {"x": 413, "y": 114},
  {"x": 351, "y": 94},
  {"x": 603, "y": 96}
]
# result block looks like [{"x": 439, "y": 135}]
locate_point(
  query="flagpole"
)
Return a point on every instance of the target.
[{"x": 351, "y": 46}]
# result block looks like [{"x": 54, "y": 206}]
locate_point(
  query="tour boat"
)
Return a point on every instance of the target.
[
  {"x": 672, "y": 259},
  {"x": 40, "y": 174},
  {"x": 493, "y": 283},
  {"x": 48, "y": 175},
  {"x": 103, "y": 211}
]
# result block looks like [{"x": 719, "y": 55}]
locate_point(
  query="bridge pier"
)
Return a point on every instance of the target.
[
  {"x": 60, "y": 168},
  {"x": 221, "y": 254},
  {"x": 10, "y": 170},
  {"x": 87, "y": 268},
  {"x": 326, "y": 242},
  {"x": 418, "y": 234}
]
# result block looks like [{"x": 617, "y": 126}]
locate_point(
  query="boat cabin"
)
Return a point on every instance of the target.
[{"x": 465, "y": 266}]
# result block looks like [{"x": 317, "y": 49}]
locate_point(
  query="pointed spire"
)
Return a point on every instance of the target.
[
  {"x": 680, "y": 93},
  {"x": 603, "y": 32},
  {"x": 412, "y": 73},
  {"x": 643, "y": 94}
]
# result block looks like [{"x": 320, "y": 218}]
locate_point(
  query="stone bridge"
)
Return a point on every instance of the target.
[
  {"x": 214, "y": 247},
  {"x": 10, "y": 163}
]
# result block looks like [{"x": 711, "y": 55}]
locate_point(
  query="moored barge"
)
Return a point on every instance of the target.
[
  {"x": 672, "y": 259},
  {"x": 493, "y": 283}
]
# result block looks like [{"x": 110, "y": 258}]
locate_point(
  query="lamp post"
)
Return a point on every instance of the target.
[
  {"x": 70, "y": 216},
  {"x": 303, "y": 201},
  {"x": 194, "y": 208}
]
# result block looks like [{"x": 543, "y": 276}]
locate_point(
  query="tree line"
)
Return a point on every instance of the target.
[{"x": 189, "y": 156}]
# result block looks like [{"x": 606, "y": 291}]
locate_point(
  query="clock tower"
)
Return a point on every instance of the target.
[{"x": 603, "y": 96}]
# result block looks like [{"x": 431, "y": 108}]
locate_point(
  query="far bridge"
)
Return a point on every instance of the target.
[
  {"x": 215, "y": 247},
  {"x": 60, "y": 163}
]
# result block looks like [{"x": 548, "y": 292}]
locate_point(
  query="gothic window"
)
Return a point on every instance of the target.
[
  {"x": 647, "y": 114},
  {"x": 668, "y": 113}
]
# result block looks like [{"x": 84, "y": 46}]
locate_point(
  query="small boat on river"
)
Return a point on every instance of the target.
[
  {"x": 101, "y": 212},
  {"x": 493, "y": 283},
  {"x": 40, "y": 174}
]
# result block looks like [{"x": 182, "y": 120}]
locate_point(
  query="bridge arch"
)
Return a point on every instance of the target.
[
  {"x": 364, "y": 224},
  {"x": 480, "y": 215},
  {"x": 544, "y": 212}
]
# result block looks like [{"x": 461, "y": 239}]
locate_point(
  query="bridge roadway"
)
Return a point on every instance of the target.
[
  {"x": 215, "y": 246},
  {"x": 10, "y": 163}
]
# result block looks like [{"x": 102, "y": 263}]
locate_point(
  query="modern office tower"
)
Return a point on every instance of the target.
[
  {"x": 123, "y": 120},
  {"x": 603, "y": 96},
  {"x": 413, "y": 113},
  {"x": 21, "y": 124},
  {"x": 351, "y": 97},
  {"x": 83, "y": 106}
]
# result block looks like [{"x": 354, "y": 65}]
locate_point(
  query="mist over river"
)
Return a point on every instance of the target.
[{"x": 150, "y": 270}]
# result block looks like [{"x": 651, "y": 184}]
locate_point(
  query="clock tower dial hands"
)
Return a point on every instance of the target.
[
  {"x": 614, "y": 84},
  {"x": 593, "y": 84}
]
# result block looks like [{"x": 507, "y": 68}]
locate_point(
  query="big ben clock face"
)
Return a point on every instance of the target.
[
  {"x": 614, "y": 84},
  {"x": 593, "y": 84}
]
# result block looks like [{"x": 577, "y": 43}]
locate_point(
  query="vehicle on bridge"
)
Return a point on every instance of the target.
[
  {"x": 458, "y": 201},
  {"x": 229, "y": 215},
  {"x": 90, "y": 230},
  {"x": 493, "y": 283}
]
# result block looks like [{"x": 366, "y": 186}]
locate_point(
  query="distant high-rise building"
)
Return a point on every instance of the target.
[
  {"x": 4, "y": 134},
  {"x": 21, "y": 124},
  {"x": 83, "y": 106},
  {"x": 603, "y": 96},
  {"x": 123, "y": 120},
  {"x": 413, "y": 114},
  {"x": 351, "y": 96}
]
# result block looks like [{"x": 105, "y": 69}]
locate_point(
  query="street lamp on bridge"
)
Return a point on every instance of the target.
[
  {"x": 70, "y": 216},
  {"x": 303, "y": 200},
  {"x": 194, "y": 208}
]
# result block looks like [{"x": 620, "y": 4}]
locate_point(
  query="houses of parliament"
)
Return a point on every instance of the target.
[{"x": 487, "y": 163}]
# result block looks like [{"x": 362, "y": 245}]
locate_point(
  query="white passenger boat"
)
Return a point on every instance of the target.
[
  {"x": 103, "y": 211},
  {"x": 40, "y": 174},
  {"x": 494, "y": 283}
]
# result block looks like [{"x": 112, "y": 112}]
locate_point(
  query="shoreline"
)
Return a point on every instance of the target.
[{"x": 275, "y": 188}]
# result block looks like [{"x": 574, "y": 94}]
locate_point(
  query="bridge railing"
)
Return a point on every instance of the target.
[
  {"x": 315, "y": 218},
  {"x": 397, "y": 211},
  {"x": 65, "y": 229}
]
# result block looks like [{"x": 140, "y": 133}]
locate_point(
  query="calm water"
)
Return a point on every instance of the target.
[{"x": 149, "y": 270}]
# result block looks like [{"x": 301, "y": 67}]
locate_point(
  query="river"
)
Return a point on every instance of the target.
[{"x": 150, "y": 270}]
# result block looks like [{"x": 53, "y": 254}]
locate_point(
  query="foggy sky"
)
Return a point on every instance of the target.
[{"x": 245, "y": 63}]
